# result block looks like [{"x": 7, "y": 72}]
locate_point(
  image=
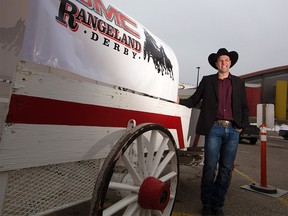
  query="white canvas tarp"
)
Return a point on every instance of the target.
[{"x": 96, "y": 40}]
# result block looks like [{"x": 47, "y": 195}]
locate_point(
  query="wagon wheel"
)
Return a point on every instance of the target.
[{"x": 139, "y": 176}]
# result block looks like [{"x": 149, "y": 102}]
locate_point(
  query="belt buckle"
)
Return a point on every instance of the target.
[{"x": 224, "y": 123}]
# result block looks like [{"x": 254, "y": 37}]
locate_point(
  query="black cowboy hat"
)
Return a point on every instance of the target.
[{"x": 214, "y": 56}]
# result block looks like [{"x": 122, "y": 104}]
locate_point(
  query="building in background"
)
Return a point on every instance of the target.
[{"x": 268, "y": 87}]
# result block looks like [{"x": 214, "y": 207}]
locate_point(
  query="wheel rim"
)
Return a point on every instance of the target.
[{"x": 144, "y": 156}]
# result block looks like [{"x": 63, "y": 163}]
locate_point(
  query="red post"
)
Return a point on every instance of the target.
[
  {"x": 263, "y": 187},
  {"x": 263, "y": 156}
]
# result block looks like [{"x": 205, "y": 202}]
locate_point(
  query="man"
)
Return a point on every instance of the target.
[{"x": 224, "y": 113}]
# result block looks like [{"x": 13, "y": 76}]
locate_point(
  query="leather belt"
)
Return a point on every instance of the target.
[{"x": 223, "y": 123}]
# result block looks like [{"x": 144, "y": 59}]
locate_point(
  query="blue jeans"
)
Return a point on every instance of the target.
[{"x": 220, "y": 149}]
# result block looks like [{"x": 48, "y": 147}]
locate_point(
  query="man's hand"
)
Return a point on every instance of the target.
[{"x": 239, "y": 130}]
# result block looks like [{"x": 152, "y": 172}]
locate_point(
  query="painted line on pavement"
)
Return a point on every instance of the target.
[
  {"x": 283, "y": 201},
  {"x": 279, "y": 199},
  {"x": 244, "y": 175}
]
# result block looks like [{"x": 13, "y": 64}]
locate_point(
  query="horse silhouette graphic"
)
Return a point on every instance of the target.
[
  {"x": 12, "y": 37},
  {"x": 161, "y": 62}
]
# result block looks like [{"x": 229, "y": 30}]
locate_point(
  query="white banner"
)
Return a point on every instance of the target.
[{"x": 95, "y": 40}]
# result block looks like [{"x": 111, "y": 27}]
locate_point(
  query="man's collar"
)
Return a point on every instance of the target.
[{"x": 229, "y": 76}]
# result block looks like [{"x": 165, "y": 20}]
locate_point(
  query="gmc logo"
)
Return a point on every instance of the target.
[{"x": 111, "y": 14}]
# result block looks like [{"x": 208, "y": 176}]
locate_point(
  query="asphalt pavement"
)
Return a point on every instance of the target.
[{"x": 239, "y": 201}]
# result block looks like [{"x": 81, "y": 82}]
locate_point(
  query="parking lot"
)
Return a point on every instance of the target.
[
  {"x": 239, "y": 201},
  {"x": 242, "y": 202}
]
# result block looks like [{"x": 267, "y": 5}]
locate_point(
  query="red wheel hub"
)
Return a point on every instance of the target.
[{"x": 153, "y": 194}]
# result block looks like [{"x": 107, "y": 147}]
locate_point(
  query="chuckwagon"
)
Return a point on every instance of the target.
[{"x": 87, "y": 111}]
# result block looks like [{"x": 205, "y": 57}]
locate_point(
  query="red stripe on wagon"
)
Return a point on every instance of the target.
[{"x": 36, "y": 110}]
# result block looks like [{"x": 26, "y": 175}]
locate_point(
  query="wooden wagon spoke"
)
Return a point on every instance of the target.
[
  {"x": 142, "y": 169},
  {"x": 120, "y": 204},
  {"x": 159, "y": 155},
  {"x": 151, "y": 150},
  {"x": 163, "y": 164},
  {"x": 121, "y": 186},
  {"x": 131, "y": 209},
  {"x": 168, "y": 176},
  {"x": 132, "y": 171}
]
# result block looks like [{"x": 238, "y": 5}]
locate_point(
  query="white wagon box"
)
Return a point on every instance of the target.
[{"x": 87, "y": 111}]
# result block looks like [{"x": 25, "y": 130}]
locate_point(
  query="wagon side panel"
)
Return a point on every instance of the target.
[{"x": 58, "y": 126}]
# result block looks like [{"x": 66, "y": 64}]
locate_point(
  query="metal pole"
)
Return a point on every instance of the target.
[{"x": 198, "y": 68}]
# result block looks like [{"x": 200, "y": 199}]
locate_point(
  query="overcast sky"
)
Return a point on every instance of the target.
[{"x": 256, "y": 29}]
